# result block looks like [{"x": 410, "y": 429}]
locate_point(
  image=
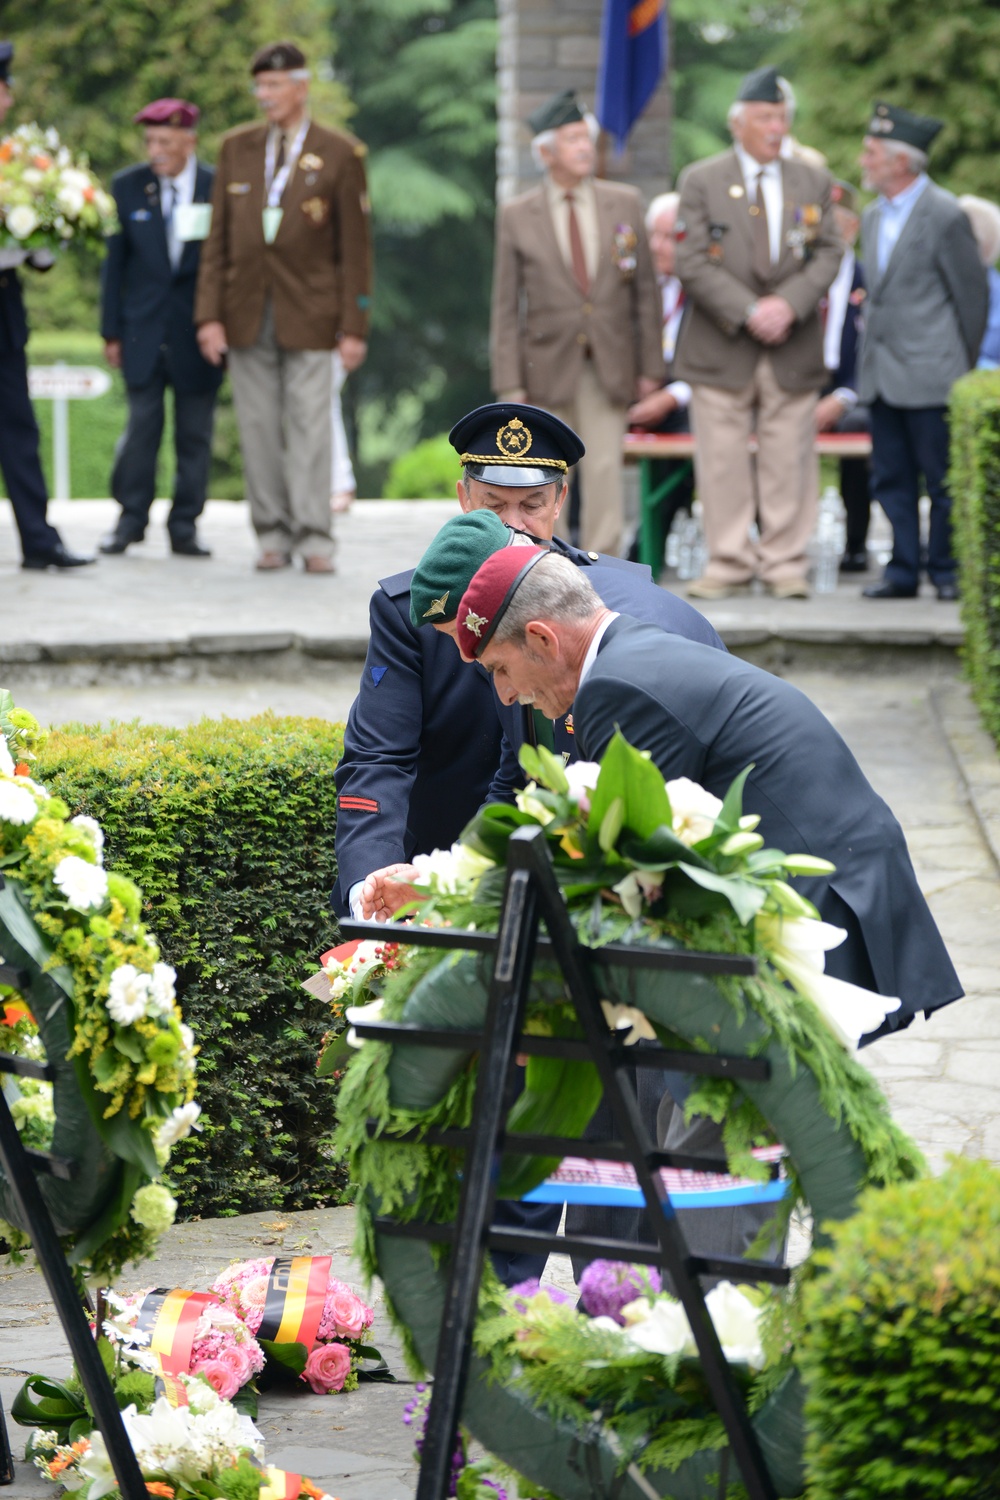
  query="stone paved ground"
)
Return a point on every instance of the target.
[{"x": 903, "y": 711}]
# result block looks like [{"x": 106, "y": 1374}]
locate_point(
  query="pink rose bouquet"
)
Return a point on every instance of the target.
[
  {"x": 224, "y": 1351},
  {"x": 332, "y": 1363}
]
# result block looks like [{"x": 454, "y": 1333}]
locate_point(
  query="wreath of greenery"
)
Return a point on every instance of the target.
[
  {"x": 633, "y": 1413},
  {"x": 100, "y": 1007}
]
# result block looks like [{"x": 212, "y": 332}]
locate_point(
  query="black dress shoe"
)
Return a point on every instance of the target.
[
  {"x": 189, "y": 547},
  {"x": 947, "y": 590},
  {"x": 116, "y": 541},
  {"x": 55, "y": 557},
  {"x": 854, "y": 562},
  {"x": 887, "y": 590}
]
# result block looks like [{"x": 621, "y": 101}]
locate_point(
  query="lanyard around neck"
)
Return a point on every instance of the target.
[{"x": 276, "y": 182}]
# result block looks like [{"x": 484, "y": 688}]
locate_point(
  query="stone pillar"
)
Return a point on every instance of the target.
[{"x": 545, "y": 46}]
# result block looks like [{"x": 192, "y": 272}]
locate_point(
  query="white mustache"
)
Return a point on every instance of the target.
[{"x": 526, "y": 699}]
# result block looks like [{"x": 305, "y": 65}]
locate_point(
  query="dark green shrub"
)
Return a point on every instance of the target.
[
  {"x": 429, "y": 471},
  {"x": 228, "y": 828},
  {"x": 901, "y": 1345},
  {"x": 975, "y": 488}
]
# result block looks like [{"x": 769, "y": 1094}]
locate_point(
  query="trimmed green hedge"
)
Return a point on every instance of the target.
[
  {"x": 228, "y": 828},
  {"x": 975, "y": 489},
  {"x": 901, "y": 1344}
]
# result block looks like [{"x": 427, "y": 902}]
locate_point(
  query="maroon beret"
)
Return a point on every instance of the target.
[
  {"x": 485, "y": 601},
  {"x": 177, "y": 112},
  {"x": 277, "y": 57}
]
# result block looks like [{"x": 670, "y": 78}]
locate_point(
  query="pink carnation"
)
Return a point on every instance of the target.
[
  {"x": 219, "y": 1376},
  {"x": 327, "y": 1367}
]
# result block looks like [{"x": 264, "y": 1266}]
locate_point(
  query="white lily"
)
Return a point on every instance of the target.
[
  {"x": 694, "y": 810},
  {"x": 97, "y": 1468},
  {"x": 637, "y": 887},
  {"x": 797, "y": 946},
  {"x": 358, "y": 1014},
  {"x": 527, "y": 802},
  {"x": 736, "y": 1321},
  {"x": 627, "y": 1018},
  {"x": 659, "y": 1327}
]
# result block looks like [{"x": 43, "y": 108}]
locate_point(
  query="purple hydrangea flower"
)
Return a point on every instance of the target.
[{"x": 607, "y": 1286}]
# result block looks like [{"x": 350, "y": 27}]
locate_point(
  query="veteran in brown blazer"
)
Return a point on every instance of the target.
[
  {"x": 285, "y": 277},
  {"x": 575, "y": 324},
  {"x": 757, "y": 249}
]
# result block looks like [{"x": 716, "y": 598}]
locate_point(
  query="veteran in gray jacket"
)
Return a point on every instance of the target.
[{"x": 924, "y": 321}]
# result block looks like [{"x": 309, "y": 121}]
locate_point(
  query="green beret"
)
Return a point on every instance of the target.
[
  {"x": 898, "y": 124},
  {"x": 561, "y": 109},
  {"x": 761, "y": 87},
  {"x": 443, "y": 573}
]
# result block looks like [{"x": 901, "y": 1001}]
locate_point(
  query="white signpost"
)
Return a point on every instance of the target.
[{"x": 61, "y": 384}]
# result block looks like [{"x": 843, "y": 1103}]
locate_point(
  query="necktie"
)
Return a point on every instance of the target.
[
  {"x": 544, "y": 732},
  {"x": 761, "y": 236},
  {"x": 279, "y": 160},
  {"x": 579, "y": 260},
  {"x": 168, "y": 198}
]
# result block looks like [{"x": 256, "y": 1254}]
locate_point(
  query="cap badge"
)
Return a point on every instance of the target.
[
  {"x": 514, "y": 439},
  {"x": 475, "y": 623},
  {"x": 437, "y": 606},
  {"x": 277, "y": 60}
]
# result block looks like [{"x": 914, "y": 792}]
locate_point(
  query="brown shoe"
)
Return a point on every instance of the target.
[
  {"x": 707, "y": 588},
  {"x": 267, "y": 562},
  {"x": 318, "y": 565},
  {"x": 789, "y": 588}
]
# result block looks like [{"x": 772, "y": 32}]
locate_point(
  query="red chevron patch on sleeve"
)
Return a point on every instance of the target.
[{"x": 358, "y": 804}]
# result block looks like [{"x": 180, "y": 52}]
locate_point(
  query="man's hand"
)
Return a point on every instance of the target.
[
  {"x": 771, "y": 320},
  {"x": 352, "y": 351},
  {"x": 386, "y": 890},
  {"x": 829, "y": 410},
  {"x": 113, "y": 353},
  {"x": 652, "y": 409},
  {"x": 212, "y": 342},
  {"x": 645, "y": 385}
]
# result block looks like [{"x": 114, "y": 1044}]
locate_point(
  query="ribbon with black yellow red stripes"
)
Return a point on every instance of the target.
[
  {"x": 280, "y": 1485},
  {"x": 296, "y": 1291},
  {"x": 171, "y": 1318}
]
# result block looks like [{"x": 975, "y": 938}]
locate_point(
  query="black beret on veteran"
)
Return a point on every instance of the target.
[
  {"x": 561, "y": 109},
  {"x": 515, "y": 445},
  {"x": 762, "y": 86},
  {"x": 278, "y": 57},
  {"x": 892, "y": 123}
]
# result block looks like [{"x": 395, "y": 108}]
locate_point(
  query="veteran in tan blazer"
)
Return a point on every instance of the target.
[
  {"x": 285, "y": 277},
  {"x": 757, "y": 249},
  {"x": 575, "y": 324}
]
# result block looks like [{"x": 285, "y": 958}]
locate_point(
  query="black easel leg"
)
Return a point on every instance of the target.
[{"x": 47, "y": 1248}]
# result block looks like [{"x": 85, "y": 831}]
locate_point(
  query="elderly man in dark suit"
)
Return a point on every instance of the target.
[
  {"x": 285, "y": 278},
  {"x": 707, "y": 715},
  {"x": 147, "y": 321},
  {"x": 925, "y": 316},
  {"x": 41, "y": 544},
  {"x": 759, "y": 250},
  {"x": 575, "y": 319}
]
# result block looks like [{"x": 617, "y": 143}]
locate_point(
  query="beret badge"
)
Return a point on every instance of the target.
[{"x": 475, "y": 623}]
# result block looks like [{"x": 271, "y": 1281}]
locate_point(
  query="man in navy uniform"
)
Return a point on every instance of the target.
[
  {"x": 41, "y": 543},
  {"x": 423, "y": 739},
  {"x": 147, "y": 322}
]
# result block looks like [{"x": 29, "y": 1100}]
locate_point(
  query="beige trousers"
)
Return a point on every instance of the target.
[
  {"x": 282, "y": 399},
  {"x": 601, "y": 424},
  {"x": 786, "y": 477}
]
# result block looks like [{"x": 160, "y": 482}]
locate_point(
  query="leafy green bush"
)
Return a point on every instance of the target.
[
  {"x": 975, "y": 488},
  {"x": 228, "y": 827},
  {"x": 429, "y": 471},
  {"x": 901, "y": 1344}
]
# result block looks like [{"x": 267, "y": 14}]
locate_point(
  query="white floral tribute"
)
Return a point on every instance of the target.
[{"x": 48, "y": 196}]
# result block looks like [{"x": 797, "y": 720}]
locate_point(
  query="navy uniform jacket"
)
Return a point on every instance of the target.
[
  {"x": 707, "y": 716},
  {"x": 423, "y": 738},
  {"x": 13, "y": 319},
  {"x": 144, "y": 301}
]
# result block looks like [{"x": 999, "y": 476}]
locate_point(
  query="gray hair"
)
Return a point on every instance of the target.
[
  {"x": 984, "y": 217},
  {"x": 736, "y": 109},
  {"x": 663, "y": 203},
  {"x": 555, "y": 589},
  {"x": 545, "y": 139},
  {"x": 916, "y": 159}
]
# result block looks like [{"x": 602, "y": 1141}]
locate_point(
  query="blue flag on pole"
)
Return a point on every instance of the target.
[{"x": 633, "y": 54}]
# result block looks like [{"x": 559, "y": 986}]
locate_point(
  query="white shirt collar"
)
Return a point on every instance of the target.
[
  {"x": 906, "y": 198},
  {"x": 183, "y": 183},
  {"x": 593, "y": 648},
  {"x": 751, "y": 167}
]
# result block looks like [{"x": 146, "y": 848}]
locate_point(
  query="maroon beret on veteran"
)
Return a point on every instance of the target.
[
  {"x": 177, "y": 112},
  {"x": 278, "y": 57},
  {"x": 490, "y": 591}
]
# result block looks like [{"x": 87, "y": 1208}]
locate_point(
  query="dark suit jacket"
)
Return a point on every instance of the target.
[
  {"x": 317, "y": 272},
  {"x": 13, "y": 320},
  {"x": 706, "y": 715},
  {"x": 925, "y": 314},
  {"x": 144, "y": 302}
]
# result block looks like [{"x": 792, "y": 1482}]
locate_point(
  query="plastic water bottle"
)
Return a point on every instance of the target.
[
  {"x": 699, "y": 552},
  {"x": 828, "y": 541},
  {"x": 685, "y": 538}
]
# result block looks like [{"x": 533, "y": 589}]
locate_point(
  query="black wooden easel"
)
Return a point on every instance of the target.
[
  {"x": 532, "y": 894},
  {"x": 19, "y": 1166}
]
